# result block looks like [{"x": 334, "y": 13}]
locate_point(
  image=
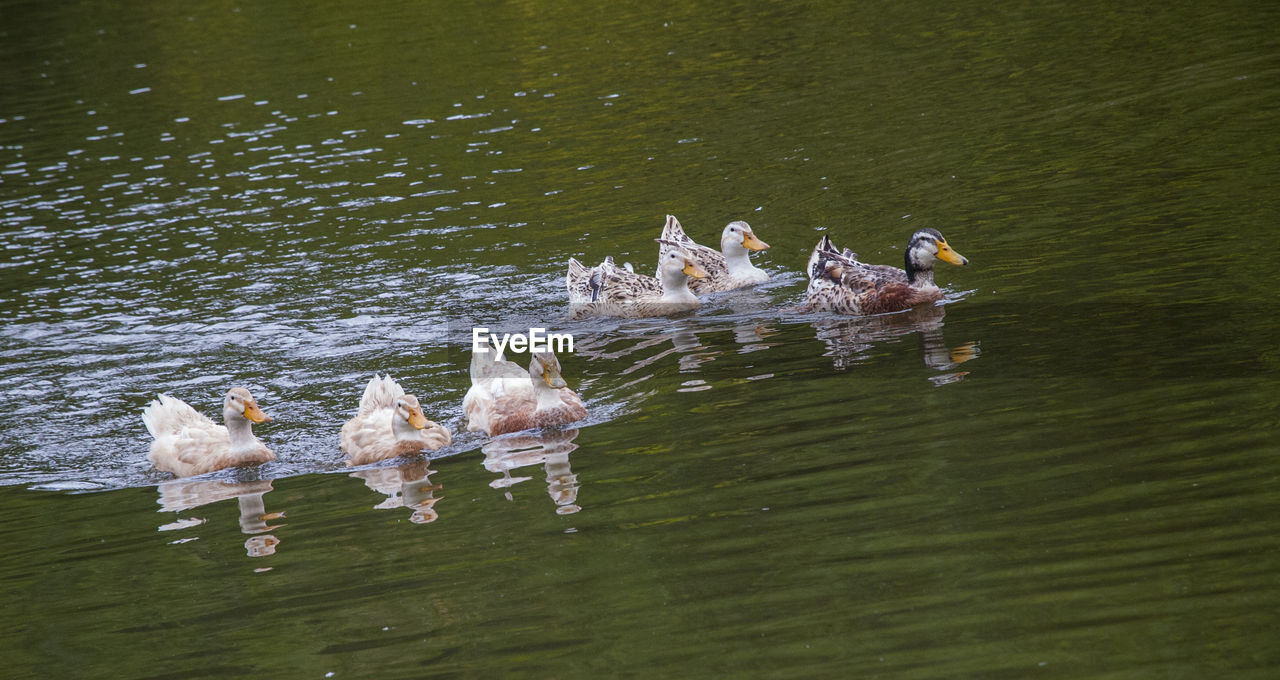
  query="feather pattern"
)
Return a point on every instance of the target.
[
  {"x": 839, "y": 282},
  {"x": 728, "y": 268}
]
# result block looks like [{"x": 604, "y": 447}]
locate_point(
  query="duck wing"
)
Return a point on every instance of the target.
[
  {"x": 168, "y": 415},
  {"x": 711, "y": 260},
  {"x": 616, "y": 285}
]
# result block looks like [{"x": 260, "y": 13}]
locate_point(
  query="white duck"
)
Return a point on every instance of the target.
[
  {"x": 188, "y": 443},
  {"x": 390, "y": 424},
  {"x": 727, "y": 269},
  {"x": 506, "y": 398}
]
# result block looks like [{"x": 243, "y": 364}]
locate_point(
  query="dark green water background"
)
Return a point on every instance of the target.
[{"x": 1069, "y": 471}]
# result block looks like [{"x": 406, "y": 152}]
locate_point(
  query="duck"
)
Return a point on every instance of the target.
[
  {"x": 610, "y": 290},
  {"x": 506, "y": 398},
  {"x": 187, "y": 443},
  {"x": 838, "y": 282},
  {"x": 389, "y": 424},
  {"x": 730, "y": 267}
]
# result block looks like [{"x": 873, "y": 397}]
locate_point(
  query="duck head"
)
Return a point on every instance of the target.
[
  {"x": 674, "y": 262},
  {"x": 926, "y": 247},
  {"x": 737, "y": 238},
  {"x": 240, "y": 404},
  {"x": 544, "y": 369}
]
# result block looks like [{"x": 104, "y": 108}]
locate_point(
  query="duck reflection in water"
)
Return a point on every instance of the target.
[
  {"x": 690, "y": 350},
  {"x": 551, "y": 449},
  {"x": 753, "y": 337},
  {"x": 849, "y": 340},
  {"x": 181, "y": 494},
  {"x": 406, "y": 486}
]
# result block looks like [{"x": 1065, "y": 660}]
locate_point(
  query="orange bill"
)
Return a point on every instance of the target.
[
  {"x": 750, "y": 242},
  {"x": 693, "y": 271},
  {"x": 254, "y": 414},
  {"x": 946, "y": 254}
]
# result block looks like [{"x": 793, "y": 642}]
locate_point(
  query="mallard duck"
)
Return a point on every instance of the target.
[
  {"x": 506, "y": 398},
  {"x": 188, "y": 443},
  {"x": 728, "y": 268},
  {"x": 610, "y": 290},
  {"x": 390, "y": 424},
  {"x": 839, "y": 282}
]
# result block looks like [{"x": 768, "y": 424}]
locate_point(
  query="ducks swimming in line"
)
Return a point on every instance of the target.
[
  {"x": 686, "y": 269},
  {"x": 838, "y": 282},
  {"x": 504, "y": 398}
]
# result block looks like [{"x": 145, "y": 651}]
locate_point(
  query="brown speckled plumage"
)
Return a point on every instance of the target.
[
  {"x": 713, "y": 262},
  {"x": 838, "y": 282},
  {"x": 610, "y": 290}
]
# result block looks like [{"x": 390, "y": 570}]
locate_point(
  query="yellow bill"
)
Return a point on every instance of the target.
[
  {"x": 254, "y": 414},
  {"x": 946, "y": 254},
  {"x": 750, "y": 242},
  {"x": 552, "y": 378},
  {"x": 693, "y": 271}
]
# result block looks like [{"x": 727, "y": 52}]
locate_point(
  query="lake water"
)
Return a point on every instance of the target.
[{"x": 1069, "y": 470}]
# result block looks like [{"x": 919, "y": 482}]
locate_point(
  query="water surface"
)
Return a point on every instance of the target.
[{"x": 1068, "y": 470}]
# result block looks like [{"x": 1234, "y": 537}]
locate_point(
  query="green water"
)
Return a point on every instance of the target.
[{"x": 1069, "y": 470}]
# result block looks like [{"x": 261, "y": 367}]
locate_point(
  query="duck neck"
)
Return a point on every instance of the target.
[
  {"x": 240, "y": 430},
  {"x": 738, "y": 261},
  {"x": 675, "y": 287},
  {"x": 917, "y": 276},
  {"x": 548, "y": 397},
  {"x": 401, "y": 428}
]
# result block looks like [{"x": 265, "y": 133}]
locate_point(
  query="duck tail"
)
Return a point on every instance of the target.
[
  {"x": 382, "y": 391},
  {"x": 823, "y": 254},
  {"x": 672, "y": 231},
  {"x": 814, "y": 268},
  {"x": 149, "y": 417},
  {"x": 483, "y": 362}
]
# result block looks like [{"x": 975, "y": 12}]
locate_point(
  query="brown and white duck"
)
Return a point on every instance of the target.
[
  {"x": 728, "y": 268},
  {"x": 390, "y": 424},
  {"x": 838, "y": 282},
  {"x": 505, "y": 398}
]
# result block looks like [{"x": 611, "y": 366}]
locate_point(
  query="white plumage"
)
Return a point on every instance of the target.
[
  {"x": 390, "y": 423},
  {"x": 189, "y": 443}
]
